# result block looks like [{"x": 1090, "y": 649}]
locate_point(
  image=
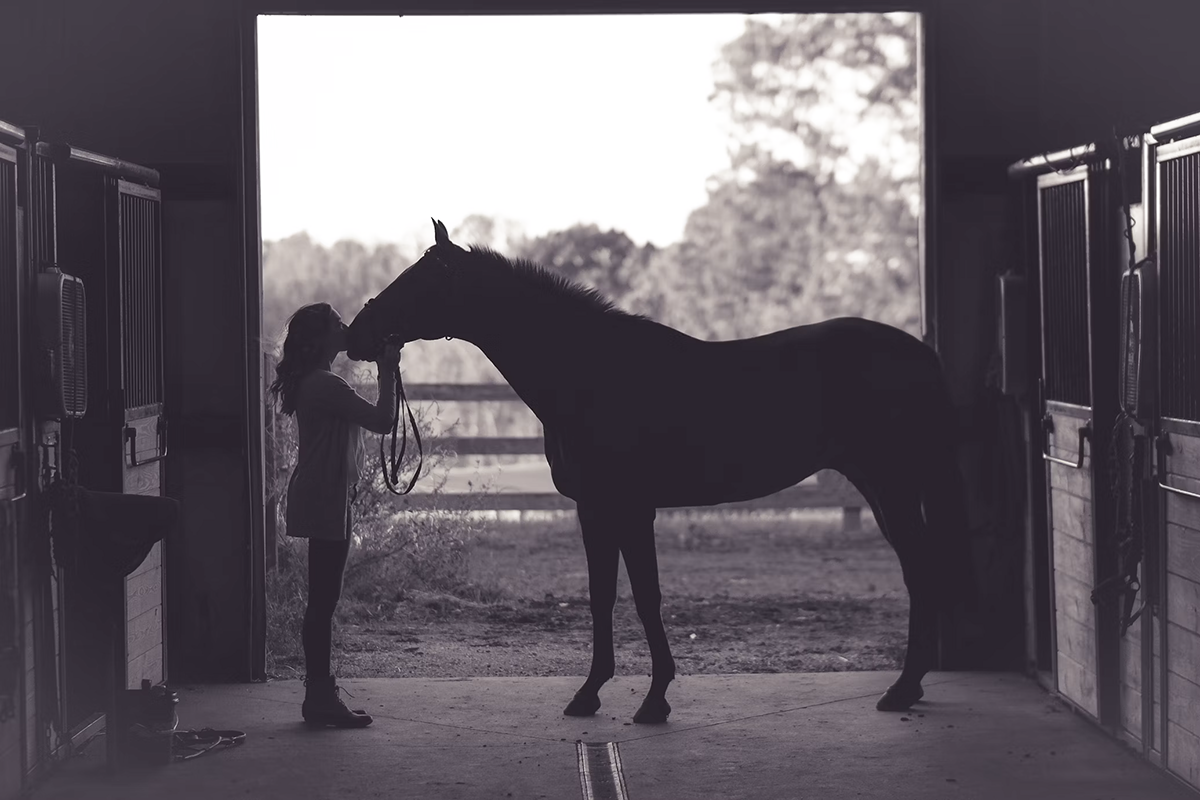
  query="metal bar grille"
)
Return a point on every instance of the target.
[
  {"x": 74, "y": 356},
  {"x": 1131, "y": 340},
  {"x": 140, "y": 309},
  {"x": 1064, "y": 245},
  {"x": 1179, "y": 254},
  {"x": 10, "y": 385},
  {"x": 44, "y": 247}
]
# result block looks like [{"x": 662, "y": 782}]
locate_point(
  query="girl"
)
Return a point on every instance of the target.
[{"x": 329, "y": 416}]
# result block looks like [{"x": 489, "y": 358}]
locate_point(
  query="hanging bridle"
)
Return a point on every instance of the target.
[{"x": 391, "y": 479}]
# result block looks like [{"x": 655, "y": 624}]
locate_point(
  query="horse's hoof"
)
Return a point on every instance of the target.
[
  {"x": 582, "y": 706},
  {"x": 899, "y": 697},
  {"x": 653, "y": 712}
]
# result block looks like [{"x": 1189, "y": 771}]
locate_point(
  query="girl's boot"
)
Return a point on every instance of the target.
[{"x": 323, "y": 706}]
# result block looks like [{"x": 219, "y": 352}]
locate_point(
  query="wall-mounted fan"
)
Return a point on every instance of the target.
[{"x": 62, "y": 331}]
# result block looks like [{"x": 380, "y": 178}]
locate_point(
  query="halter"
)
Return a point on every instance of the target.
[{"x": 391, "y": 468}]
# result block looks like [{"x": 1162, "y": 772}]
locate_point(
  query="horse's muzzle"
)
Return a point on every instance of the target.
[
  {"x": 372, "y": 352},
  {"x": 356, "y": 353}
]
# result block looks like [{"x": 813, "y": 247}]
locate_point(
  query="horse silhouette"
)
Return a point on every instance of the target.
[{"x": 637, "y": 416}]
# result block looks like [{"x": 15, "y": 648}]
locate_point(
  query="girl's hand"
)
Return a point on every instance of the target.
[{"x": 390, "y": 359}]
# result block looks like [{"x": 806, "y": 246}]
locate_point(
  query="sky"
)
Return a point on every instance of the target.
[{"x": 369, "y": 126}]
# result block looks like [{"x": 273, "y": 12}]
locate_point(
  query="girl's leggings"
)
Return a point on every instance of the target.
[{"x": 326, "y": 563}]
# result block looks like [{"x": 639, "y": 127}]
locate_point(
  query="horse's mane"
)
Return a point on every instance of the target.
[{"x": 549, "y": 281}]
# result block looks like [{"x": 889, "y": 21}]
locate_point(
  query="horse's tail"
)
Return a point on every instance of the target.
[{"x": 944, "y": 499}]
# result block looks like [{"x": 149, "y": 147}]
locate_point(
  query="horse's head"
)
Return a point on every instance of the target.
[{"x": 419, "y": 304}]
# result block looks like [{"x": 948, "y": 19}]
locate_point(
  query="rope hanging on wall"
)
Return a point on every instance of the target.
[{"x": 1130, "y": 439}]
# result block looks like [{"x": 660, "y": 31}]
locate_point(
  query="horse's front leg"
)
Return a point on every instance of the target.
[
  {"x": 600, "y": 544},
  {"x": 641, "y": 564}
]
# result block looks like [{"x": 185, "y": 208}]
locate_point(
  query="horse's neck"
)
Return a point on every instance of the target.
[{"x": 534, "y": 355}]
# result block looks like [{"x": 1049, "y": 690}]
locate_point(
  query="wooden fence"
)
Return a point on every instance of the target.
[{"x": 829, "y": 490}]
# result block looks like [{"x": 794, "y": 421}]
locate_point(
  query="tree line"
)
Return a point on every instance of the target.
[{"x": 806, "y": 223}]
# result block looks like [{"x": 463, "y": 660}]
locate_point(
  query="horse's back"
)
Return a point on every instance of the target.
[
  {"x": 691, "y": 422},
  {"x": 831, "y": 392},
  {"x": 795, "y": 380},
  {"x": 841, "y": 360}
]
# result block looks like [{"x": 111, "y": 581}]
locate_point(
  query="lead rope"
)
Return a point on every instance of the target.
[{"x": 390, "y": 478}]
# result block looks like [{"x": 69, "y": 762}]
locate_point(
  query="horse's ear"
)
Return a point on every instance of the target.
[{"x": 440, "y": 234}]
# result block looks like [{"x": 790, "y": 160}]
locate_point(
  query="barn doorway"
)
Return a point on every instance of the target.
[{"x": 726, "y": 174}]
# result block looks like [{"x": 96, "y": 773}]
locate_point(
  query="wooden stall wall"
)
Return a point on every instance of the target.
[
  {"x": 1182, "y": 680},
  {"x": 1074, "y": 542}
]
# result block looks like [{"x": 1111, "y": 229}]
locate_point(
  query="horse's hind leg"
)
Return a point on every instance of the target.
[
  {"x": 899, "y": 516},
  {"x": 600, "y": 544},
  {"x": 641, "y": 564}
]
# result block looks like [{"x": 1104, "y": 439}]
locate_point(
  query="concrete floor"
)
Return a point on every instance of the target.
[{"x": 975, "y": 735}]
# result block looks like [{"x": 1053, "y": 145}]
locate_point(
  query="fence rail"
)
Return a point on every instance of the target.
[{"x": 815, "y": 495}]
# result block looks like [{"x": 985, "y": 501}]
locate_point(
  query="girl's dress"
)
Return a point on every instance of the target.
[{"x": 330, "y": 417}]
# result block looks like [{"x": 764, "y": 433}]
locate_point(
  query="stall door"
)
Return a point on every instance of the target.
[
  {"x": 136, "y": 252},
  {"x": 108, "y": 234},
  {"x": 1079, "y": 397},
  {"x": 1175, "y": 170}
]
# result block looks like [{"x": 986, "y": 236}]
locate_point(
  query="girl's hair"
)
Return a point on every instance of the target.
[{"x": 306, "y": 332}]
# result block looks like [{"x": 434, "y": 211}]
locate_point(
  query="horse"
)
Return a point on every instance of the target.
[{"x": 636, "y": 417}]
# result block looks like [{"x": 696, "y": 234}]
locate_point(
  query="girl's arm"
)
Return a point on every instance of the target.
[{"x": 338, "y": 398}]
